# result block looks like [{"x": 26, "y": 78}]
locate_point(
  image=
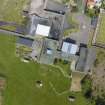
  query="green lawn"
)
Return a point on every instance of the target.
[
  {"x": 21, "y": 88},
  {"x": 11, "y": 10},
  {"x": 101, "y": 31}
]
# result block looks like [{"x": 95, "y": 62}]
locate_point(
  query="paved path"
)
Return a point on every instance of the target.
[{"x": 82, "y": 36}]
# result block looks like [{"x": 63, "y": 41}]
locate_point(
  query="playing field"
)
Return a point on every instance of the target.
[
  {"x": 101, "y": 30},
  {"x": 21, "y": 80},
  {"x": 11, "y": 10}
]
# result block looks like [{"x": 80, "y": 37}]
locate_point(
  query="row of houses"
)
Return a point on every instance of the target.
[{"x": 46, "y": 26}]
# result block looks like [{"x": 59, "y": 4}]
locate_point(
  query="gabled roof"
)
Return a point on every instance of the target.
[{"x": 86, "y": 59}]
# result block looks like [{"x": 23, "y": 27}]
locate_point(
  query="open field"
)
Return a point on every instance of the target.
[
  {"x": 21, "y": 80},
  {"x": 101, "y": 30},
  {"x": 11, "y": 10}
]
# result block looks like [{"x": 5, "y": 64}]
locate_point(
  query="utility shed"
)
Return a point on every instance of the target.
[
  {"x": 86, "y": 60},
  {"x": 69, "y": 48},
  {"x": 54, "y": 6}
]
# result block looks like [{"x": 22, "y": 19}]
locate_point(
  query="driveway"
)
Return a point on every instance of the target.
[{"x": 84, "y": 22}]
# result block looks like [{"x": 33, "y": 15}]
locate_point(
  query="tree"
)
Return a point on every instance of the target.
[
  {"x": 87, "y": 86},
  {"x": 100, "y": 101}
]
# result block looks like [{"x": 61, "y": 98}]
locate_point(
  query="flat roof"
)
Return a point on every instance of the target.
[
  {"x": 69, "y": 48},
  {"x": 43, "y": 30}
]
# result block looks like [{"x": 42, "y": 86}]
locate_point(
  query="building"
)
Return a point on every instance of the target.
[
  {"x": 49, "y": 51},
  {"x": 86, "y": 60},
  {"x": 46, "y": 19},
  {"x": 46, "y": 26},
  {"x": 69, "y": 48},
  {"x": 53, "y": 6},
  {"x": 51, "y": 27}
]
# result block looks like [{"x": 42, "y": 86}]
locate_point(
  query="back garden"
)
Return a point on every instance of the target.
[{"x": 21, "y": 79}]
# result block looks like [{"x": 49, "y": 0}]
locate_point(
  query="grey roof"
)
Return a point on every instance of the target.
[
  {"x": 56, "y": 28},
  {"x": 56, "y": 7},
  {"x": 25, "y": 41},
  {"x": 86, "y": 60}
]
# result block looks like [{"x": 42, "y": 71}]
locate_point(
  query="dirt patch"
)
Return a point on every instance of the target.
[{"x": 76, "y": 81}]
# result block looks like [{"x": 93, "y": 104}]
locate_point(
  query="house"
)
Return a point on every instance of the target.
[{"x": 42, "y": 27}]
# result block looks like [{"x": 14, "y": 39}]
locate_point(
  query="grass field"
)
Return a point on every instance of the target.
[
  {"x": 101, "y": 31},
  {"x": 21, "y": 80},
  {"x": 11, "y": 10}
]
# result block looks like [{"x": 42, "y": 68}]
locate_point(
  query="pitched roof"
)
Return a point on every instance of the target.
[
  {"x": 56, "y": 7},
  {"x": 86, "y": 59}
]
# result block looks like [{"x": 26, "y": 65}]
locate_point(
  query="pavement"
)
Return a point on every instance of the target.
[{"x": 82, "y": 35}]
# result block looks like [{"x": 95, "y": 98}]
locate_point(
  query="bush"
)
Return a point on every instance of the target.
[
  {"x": 100, "y": 101},
  {"x": 86, "y": 86}
]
